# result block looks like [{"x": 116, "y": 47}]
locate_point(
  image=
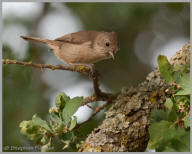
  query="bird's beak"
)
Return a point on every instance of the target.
[{"x": 112, "y": 55}]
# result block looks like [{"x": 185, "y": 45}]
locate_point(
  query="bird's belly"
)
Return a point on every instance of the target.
[
  {"x": 77, "y": 54},
  {"x": 82, "y": 57}
]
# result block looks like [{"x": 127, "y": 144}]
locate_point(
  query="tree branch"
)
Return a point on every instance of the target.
[{"x": 125, "y": 127}]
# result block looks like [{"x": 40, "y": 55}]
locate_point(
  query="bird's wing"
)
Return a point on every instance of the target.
[{"x": 78, "y": 37}]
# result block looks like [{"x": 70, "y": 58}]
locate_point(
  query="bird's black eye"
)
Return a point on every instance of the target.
[{"x": 107, "y": 44}]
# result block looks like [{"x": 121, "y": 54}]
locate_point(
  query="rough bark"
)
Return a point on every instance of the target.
[{"x": 125, "y": 127}]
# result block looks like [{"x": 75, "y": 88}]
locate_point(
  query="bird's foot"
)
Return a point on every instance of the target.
[
  {"x": 92, "y": 68},
  {"x": 81, "y": 66}
]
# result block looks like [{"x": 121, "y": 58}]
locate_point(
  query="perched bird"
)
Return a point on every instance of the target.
[{"x": 83, "y": 47}]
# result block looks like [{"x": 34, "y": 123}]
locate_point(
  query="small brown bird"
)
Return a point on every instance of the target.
[{"x": 83, "y": 47}]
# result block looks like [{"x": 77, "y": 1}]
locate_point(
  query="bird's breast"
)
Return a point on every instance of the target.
[{"x": 77, "y": 53}]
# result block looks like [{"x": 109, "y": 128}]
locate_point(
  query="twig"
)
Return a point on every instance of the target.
[
  {"x": 81, "y": 69},
  {"x": 98, "y": 109},
  {"x": 94, "y": 76},
  {"x": 102, "y": 97},
  {"x": 90, "y": 107}
]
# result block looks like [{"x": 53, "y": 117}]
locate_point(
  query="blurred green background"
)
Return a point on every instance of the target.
[{"x": 145, "y": 30}]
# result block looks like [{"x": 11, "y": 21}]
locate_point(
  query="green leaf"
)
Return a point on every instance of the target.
[
  {"x": 165, "y": 137},
  {"x": 58, "y": 128},
  {"x": 179, "y": 68},
  {"x": 23, "y": 124},
  {"x": 61, "y": 101},
  {"x": 158, "y": 115},
  {"x": 172, "y": 116},
  {"x": 66, "y": 144},
  {"x": 68, "y": 139},
  {"x": 168, "y": 104},
  {"x": 177, "y": 76},
  {"x": 38, "y": 121},
  {"x": 47, "y": 147},
  {"x": 56, "y": 117},
  {"x": 187, "y": 121},
  {"x": 157, "y": 131},
  {"x": 44, "y": 140},
  {"x": 28, "y": 127},
  {"x": 169, "y": 149},
  {"x": 70, "y": 108},
  {"x": 165, "y": 68},
  {"x": 184, "y": 138},
  {"x": 185, "y": 85},
  {"x": 31, "y": 130},
  {"x": 51, "y": 123},
  {"x": 24, "y": 127},
  {"x": 73, "y": 123},
  {"x": 68, "y": 136}
]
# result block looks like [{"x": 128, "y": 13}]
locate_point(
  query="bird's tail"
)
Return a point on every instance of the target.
[{"x": 37, "y": 39}]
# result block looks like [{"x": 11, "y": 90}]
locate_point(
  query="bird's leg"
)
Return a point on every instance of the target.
[{"x": 92, "y": 67}]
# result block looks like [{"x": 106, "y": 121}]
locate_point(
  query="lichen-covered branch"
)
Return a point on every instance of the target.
[{"x": 125, "y": 127}]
